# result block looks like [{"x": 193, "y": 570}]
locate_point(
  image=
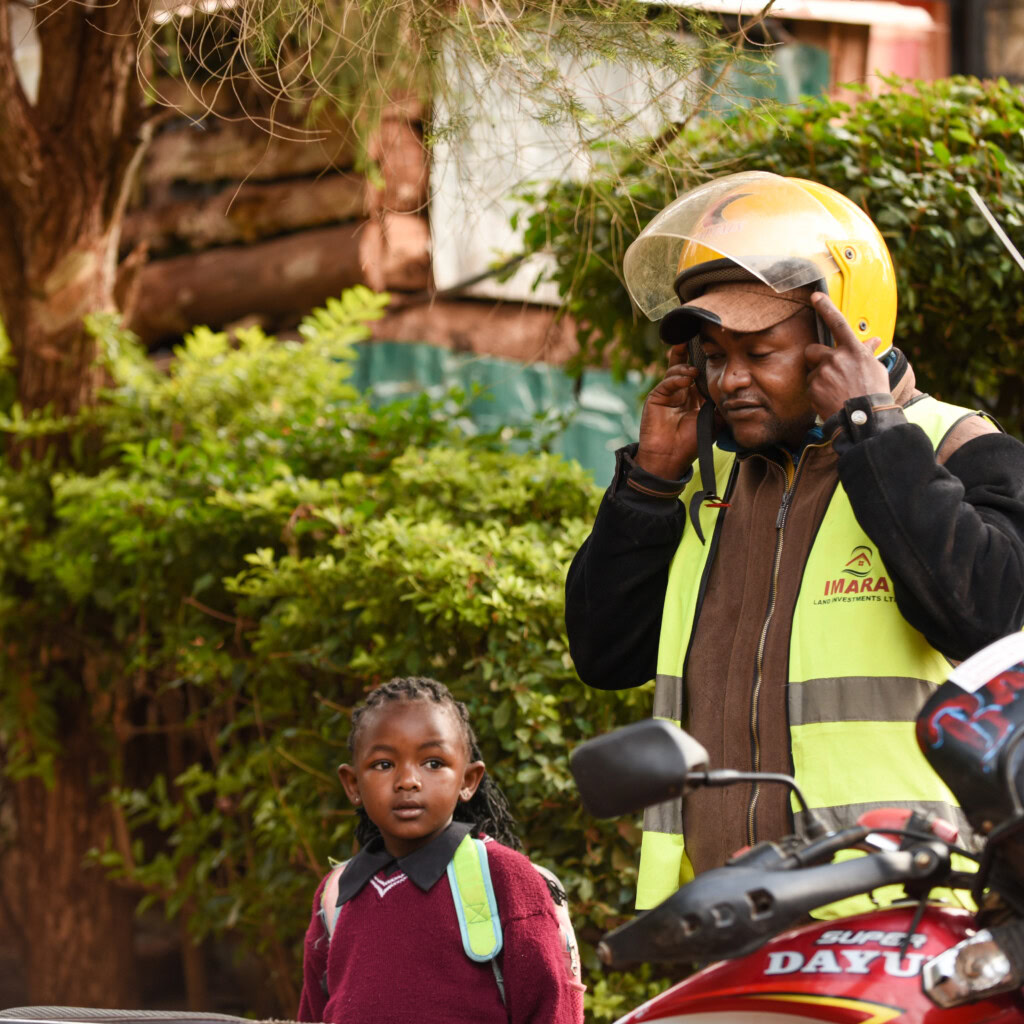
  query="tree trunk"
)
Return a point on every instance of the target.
[
  {"x": 65, "y": 164},
  {"x": 77, "y": 926},
  {"x": 53, "y": 354},
  {"x": 66, "y": 156}
]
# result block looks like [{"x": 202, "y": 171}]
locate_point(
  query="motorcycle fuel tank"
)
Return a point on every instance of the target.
[{"x": 846, "y": 971}]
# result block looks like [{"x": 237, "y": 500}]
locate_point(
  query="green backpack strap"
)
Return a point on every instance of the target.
[{"x": 475, "y": 905}]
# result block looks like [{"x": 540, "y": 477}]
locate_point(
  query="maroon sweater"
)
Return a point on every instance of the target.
[{"x": 397, "y": 956}]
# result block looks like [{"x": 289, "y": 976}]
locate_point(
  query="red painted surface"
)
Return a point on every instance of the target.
[{"x": 847, "y": 971}]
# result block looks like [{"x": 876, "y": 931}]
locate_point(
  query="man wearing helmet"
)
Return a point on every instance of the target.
[{"x": 796, "y": 589}]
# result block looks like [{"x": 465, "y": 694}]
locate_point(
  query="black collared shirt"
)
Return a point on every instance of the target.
[{"x": 424, "y": 866}]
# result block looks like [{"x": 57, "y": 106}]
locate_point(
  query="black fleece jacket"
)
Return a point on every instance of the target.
[{"x": 952, "y": 537}]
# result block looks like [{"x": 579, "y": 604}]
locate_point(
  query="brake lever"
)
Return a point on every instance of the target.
[
  {"x": 731, "y": 911},
  {"x": 816, "y": 852}
]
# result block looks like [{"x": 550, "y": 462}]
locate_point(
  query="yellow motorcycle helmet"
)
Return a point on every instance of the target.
[{"x": 786, "y": 232}]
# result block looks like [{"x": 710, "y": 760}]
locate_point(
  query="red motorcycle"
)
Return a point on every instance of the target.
[{"x": 918, "y": 962}]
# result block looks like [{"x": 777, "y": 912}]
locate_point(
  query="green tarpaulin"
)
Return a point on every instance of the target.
[{"x": 601, "y": 413}]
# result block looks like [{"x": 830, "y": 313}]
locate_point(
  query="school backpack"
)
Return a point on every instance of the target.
[{"x": 469, "y": 878}]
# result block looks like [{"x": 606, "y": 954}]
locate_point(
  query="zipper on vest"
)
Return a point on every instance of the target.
[{"x": 755, "y": 742}]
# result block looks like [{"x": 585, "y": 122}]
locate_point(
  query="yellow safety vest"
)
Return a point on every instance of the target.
[{"x": 851, "y": 704}]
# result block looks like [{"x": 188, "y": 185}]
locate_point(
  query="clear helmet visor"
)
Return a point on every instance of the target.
[{"x": 765, "y": 223}]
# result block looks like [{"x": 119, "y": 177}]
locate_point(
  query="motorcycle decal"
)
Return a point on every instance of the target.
[
  {"x": 975, "y": 719},
  {"x": 854, "y": 961},
  {"x": 874, "y": 1013},
  {"x": 774, "y": 1007},
  {"x": 844, "y": 952},
  {"x": 838, "y": 937}
]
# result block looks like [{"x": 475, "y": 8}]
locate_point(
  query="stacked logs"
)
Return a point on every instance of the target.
[{"x": 232, "y": 221}]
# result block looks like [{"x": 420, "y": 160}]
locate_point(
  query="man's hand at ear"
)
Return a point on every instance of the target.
[
  {"x": 668, "y": 426},
  {"x": 849, "y": 370}
]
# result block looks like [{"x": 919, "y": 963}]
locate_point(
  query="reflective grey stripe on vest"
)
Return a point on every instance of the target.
[
  {"x": 668, "y": 698},
  {"x": 858, "y": 699},
  {"x": 666, "y": 817},
  {"x": 668, "y": 704},
  {"x": 846, "y": 815}
]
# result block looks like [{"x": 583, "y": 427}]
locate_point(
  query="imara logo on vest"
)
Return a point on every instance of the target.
[
  {"x": 857, "y": 580},
  {"x": 860, "y": 561}
]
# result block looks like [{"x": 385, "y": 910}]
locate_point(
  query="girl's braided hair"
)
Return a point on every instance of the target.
[{"x": 488, "y": 809}]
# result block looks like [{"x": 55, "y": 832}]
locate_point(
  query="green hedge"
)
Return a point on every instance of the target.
[
  {"x": 237, "y": 552},
  {"x": 906, "y": 157}
]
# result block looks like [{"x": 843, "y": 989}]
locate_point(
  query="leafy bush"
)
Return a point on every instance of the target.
[
  {"x": 238, "y": 551},
  {"x": 906, "y": 157}
]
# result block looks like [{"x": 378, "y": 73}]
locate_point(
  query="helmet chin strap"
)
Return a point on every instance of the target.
[{"x": 705, "y": 465}]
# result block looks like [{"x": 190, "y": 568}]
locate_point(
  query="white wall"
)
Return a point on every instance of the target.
[{"x": 503, "y": 146}]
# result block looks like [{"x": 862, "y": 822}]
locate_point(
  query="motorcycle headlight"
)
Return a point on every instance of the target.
[{"x": 973, "y": 969}]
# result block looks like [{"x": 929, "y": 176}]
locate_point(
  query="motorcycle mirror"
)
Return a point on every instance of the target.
[{"x": 633, "y": 767}]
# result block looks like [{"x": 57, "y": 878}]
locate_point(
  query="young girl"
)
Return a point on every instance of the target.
[{"x": 396, "y": 955}]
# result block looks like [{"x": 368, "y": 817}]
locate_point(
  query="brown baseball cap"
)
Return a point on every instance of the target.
[{"x": 742, "y": 306}]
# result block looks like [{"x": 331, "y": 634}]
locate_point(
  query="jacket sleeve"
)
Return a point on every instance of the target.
[
  {"x": 952, "y": 535},
  {"x": 314, "y": 964},
  {"x": 615, "y": 588}
]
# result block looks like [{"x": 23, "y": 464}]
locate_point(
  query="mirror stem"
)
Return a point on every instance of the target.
[{"x": 814, "y": 827}]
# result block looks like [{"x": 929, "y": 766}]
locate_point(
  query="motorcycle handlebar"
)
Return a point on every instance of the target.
[{"x": 730, "y": 911}]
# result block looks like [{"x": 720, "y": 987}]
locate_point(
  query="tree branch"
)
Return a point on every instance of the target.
[
  {"x": 60, "y": 24},
  {"x": 19, "y": 141},
  {"x": 108, "y": 77},
  {"x": 107, "y": 100}
]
